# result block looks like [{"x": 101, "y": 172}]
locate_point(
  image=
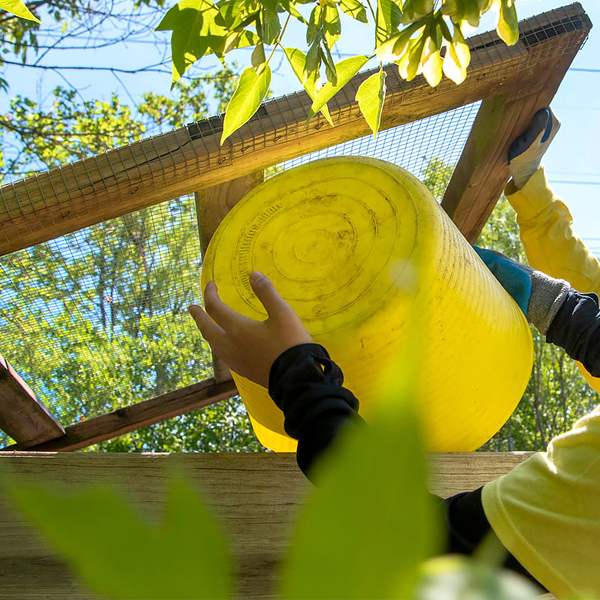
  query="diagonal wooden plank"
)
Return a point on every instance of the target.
[
  {"x": 118, "y": 182},
  {"x": 212, "y": 204},
  {"x": 482, "y": 172},
  {"x": 22, "y": 415},
  {"x": 135, "y": 416}
]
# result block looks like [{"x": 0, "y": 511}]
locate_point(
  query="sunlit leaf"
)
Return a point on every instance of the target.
[
  {"x": 195, "y": 32},
  {"x": 371, "y": 97},
  {"x": 313, "y": 31},
  {"x": 251, "y": 90},
  {"x": 121, "y": 556},
  {"x": 18, "y": 8},
  {"x": 456, "y": 578},
  {"x": 508, "y": 22},
  {"x": 346, "y": 70},
  {"x": 332, "y": 27},
  {"x": 330, "y": 68},
  {"x": 388, "y": 20},
  {"x": 396, "y": 46},
  {"x": 258, "y": 56},
  {"x": 370, "y": 522},
  {"x": 269, "y": 26},
  {"x": 313, "y": 60},
  {"x": 414, "y": 10},
  {"x": 458, "y": 57},
  {"x": 410, "y": 62},
  {"x": 432, "y": 62},
  {"x": 355, "y": 9},
  {"x": 297, "y": 60}
]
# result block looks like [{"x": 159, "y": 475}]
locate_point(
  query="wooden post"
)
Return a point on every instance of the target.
[
  {"x": 212, "y": 204},
  {"x": 482, "y": 171},
  {"x": 22, "y": 415}
]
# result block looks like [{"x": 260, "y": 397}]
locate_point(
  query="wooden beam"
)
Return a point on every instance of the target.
[
  {"x": 212, "y": 204},
  {"x": 482, "y": 172},
  {"x": 145, "y": 173},
  {"x": 23, "y": 415},
  {"x": 135, "y": 416},
  {"x": 256, "y": 496}
]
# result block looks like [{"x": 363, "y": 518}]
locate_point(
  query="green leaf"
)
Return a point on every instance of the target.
[
  {"x": 415, "y": 10},
  {"x": 388, "y": 20},
  {"x": 332, "y": 28},
  {"x": 346, "y": 70},
  {"x": 370, "y": 97},
  {"x": 330, "y": 68},
  {"x": 258, "y": 56},
  {"x": 251, "y": 90},
  {"x": 458, "y": 57},
  {"x": 195, "y": 32},
  {"x": 290, "y": 6},
  {"x": 432, "y": 61},
  {"x": 313, "y": 32},
  {"x": 18, "y": 8},
  {"x": 185, "y": 556},
  {"x": 297, "y": 60},
  {"x": 369, "y": 522},
  {"x": 269, "y": 26},
  {"x": 410, "y": 62},
  {"x": 313, "y": 60},
  {"x": 355, "y": 9},
  {"x": 396, "y": 46},
  {"x": 508, "y": 22}
]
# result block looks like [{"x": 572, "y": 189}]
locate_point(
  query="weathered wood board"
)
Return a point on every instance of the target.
[{"x": 257, "y": 497}]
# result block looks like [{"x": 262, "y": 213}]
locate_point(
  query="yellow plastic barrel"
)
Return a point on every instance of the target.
[{"x": 335, "y": 236}]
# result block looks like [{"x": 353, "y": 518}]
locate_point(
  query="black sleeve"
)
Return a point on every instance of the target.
[
  {"x": 576, "y": 328},
  {"x": 307, "y": 386}
]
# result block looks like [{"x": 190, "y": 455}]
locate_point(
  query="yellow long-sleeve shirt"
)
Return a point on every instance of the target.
[{"x": 546, "y": 511}]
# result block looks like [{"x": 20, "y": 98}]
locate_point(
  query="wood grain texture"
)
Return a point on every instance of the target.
[
  {"x": 136, "y": 416},
  {"x": 256, "y": 496},
  {"x": 212, "y": 204},
  {"x": 482, "y": 172},
  {"x": 158, "y": 169},
  {"x": 23, "y": 416}
]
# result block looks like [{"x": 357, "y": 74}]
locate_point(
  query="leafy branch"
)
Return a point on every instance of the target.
[{"x": 422, "y": 37}]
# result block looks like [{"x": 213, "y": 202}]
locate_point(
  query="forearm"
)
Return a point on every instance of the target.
[
  {"x": 307, "y": 386},
  {"x": 550, "y": 244},
  {"x": 576, "y": 328}
]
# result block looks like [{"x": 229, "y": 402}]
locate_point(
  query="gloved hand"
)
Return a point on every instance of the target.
[
  {"x": 538, "y": 295},
  {"x": 525, "y": 153}
]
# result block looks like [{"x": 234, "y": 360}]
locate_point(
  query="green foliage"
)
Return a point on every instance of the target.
[
  {"x": 121, "y": 556},
  {"x": 98, "y": 324},
  {"x": 420, "y": 36},
  {"x": 370, "y": 97},
  {"x": 252, "y": 88}
]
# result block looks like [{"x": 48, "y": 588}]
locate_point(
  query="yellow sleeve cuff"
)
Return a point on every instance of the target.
[{"x": 531, "y": 200}]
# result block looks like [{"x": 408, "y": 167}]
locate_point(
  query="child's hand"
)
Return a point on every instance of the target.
[{"x": 250, "y": 347}]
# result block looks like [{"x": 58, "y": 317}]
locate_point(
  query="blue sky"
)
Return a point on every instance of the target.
[{"x": 573, "y": 161}]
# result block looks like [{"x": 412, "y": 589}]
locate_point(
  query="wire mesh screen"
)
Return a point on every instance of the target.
[
  {"x": 428, "y": 148},
  {"x": 96, "y": 320}
]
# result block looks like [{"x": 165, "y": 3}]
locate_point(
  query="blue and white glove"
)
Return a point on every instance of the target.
[
  {"x": 525, "y": 153},
  {"x": 538, "y": 295}
]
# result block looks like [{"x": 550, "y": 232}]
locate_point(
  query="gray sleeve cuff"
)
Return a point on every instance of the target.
[{"x": 547, "y": 296}]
